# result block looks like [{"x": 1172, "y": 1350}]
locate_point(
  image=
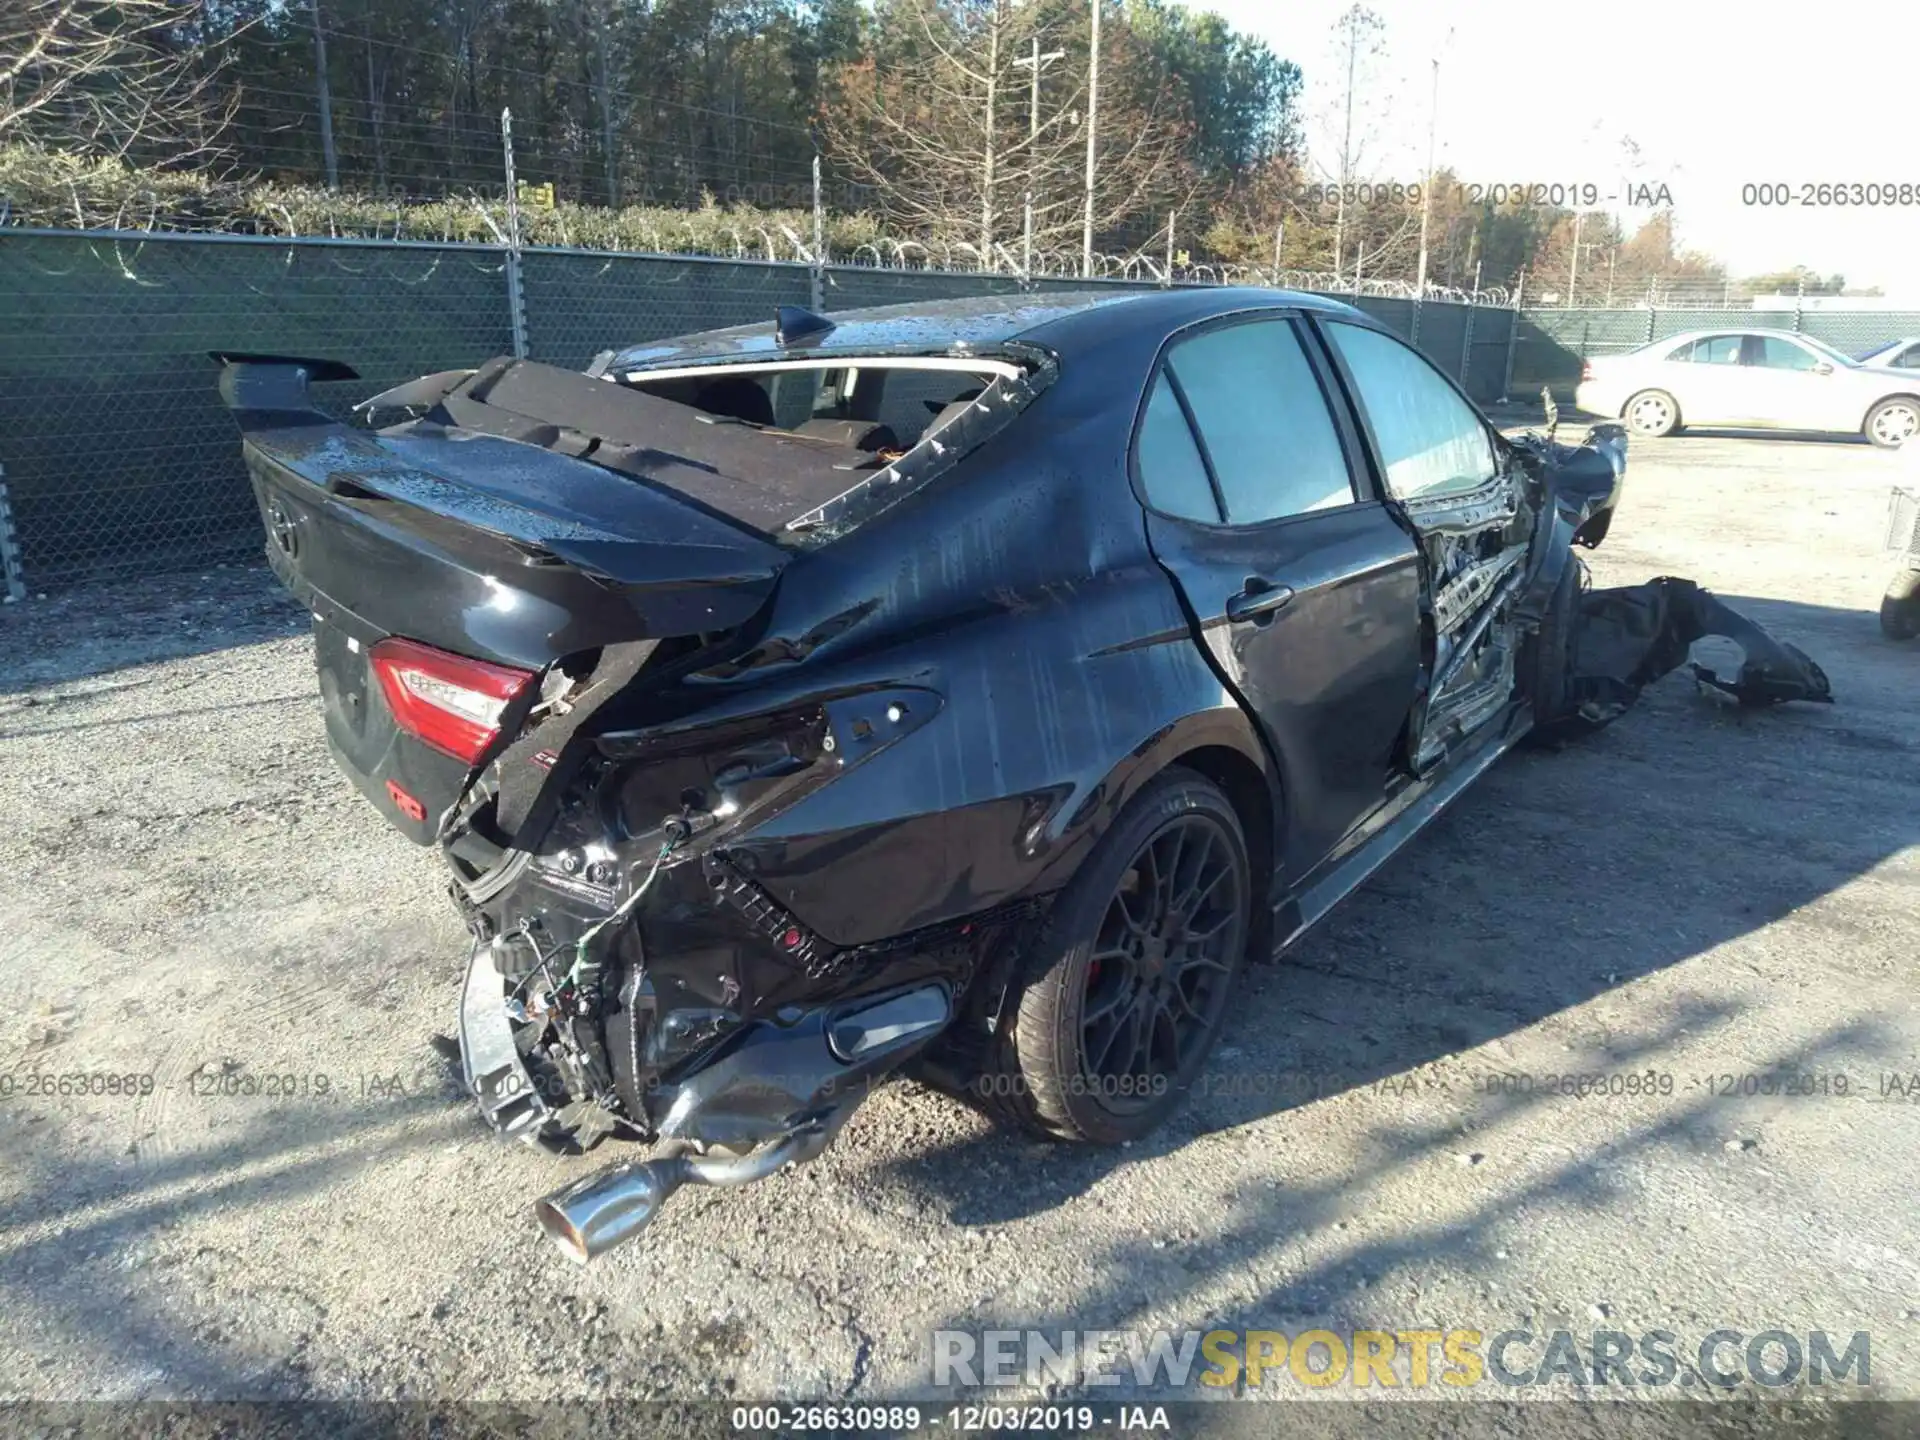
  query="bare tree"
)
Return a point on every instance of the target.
[
  {"x": 109, "y": 77},
  {"x": 944, "y": 132}
]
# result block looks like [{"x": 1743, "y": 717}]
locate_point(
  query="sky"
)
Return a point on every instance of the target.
[{"x": 1716, "y": 97}]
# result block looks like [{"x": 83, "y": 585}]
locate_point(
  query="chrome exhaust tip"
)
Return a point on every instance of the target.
[
  {"x": 597, "y": 1212},
  {"x": 591, "y": 1216}
]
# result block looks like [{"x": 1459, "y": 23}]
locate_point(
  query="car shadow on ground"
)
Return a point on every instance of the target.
[
  {"x": 1803, "y": 437},
  {"x": 164, "y": 1307},
  {"x": 1138, "y": 1279},
  {"x": 1567, "y": 872}
]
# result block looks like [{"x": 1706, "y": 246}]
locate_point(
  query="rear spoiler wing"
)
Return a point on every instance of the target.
[
  {"x": 548, "y": 505},
  {"x": 275, "y": 384}
]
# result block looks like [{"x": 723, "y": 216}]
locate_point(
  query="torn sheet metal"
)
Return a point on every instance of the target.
[{"x": 1626, "y": 638}]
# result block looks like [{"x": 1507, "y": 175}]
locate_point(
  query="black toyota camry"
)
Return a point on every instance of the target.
[{"x": 965, "y": 687}]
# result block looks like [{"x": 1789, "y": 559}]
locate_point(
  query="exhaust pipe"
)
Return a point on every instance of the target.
[{"x": 594, "y": 1214}]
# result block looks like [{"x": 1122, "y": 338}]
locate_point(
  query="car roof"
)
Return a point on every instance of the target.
[
  {"x": 1055, "y": 320},
  {"x": 1732, "y": 330}
]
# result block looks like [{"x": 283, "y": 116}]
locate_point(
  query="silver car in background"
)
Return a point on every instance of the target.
[
  {"x": 1760, "y": 379},
  {"x": 1895, "y": 354}
]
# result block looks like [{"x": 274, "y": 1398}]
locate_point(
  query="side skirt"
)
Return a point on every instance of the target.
[{"x": 1296, "y": 914}]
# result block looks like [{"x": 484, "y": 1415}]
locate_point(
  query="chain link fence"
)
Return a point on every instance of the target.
[
  {"x": 117, "y": 455},
  {"x": 116, "y": 450},
  {"x": 580, "y": 304}
]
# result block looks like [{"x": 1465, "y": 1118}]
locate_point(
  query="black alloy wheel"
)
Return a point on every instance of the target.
[
  {"x": 1117, "y": 1003},
  {"x": 1157, "y": 975}
]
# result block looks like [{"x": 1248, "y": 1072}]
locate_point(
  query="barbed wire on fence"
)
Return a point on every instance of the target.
[
  {"x": 733, "y": 233},
  {"x": 1690, "y": 292},
  {"x": 95, "y": 200},
  {"x": 759, "y": 244},
  {"x": 763, "y": 208},
  {"x": 713, "y": 232}
]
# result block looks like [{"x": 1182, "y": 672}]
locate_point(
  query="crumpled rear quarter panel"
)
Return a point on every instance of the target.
[{"x": 1023, "y": 592}]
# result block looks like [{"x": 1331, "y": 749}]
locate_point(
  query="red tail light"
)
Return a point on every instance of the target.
[
  {"x": 447, "y": 701},
  {"x": 1586, "y": 370}
]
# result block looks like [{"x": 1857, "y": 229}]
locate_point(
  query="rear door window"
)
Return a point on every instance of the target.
[
  {"x": 1265, "y": 433},
  {"x": 1171, "y": 468},
  {"x": 1431, "y": 441}
]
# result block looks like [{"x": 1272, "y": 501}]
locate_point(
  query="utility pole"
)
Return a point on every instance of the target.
[
  {"x": 1038, "y": 62},
  {"x": 817, "y": 297},
  {"x": 326, "y": 97},
  {"x": 1346, "y": 158},
  {"x": 1573, "y": 270},
  {"x": 1093, "y": 130},
  {"x": 1426, "y": 190}
]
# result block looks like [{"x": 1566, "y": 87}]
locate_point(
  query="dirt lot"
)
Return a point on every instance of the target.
[{"x": 188, "y": 890}]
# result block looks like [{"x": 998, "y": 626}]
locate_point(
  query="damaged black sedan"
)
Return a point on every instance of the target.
[{"x": 965, "y": 687}]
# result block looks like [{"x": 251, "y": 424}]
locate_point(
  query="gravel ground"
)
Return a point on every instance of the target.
[{"x": 189, "y": 890}]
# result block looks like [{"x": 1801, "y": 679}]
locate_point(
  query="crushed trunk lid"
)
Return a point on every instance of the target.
[
  {"x": 492, "y": 528},
  {"x": 528, "y": 516}
]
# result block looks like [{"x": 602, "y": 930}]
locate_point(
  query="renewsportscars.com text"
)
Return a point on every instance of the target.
[{"x": 1390, "y": 1359}]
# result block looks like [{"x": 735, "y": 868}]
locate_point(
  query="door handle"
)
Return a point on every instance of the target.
[{"x": 1258, "y": 601}]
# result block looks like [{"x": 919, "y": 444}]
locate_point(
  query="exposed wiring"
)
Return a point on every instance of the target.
[
  {"x": 526, "y": 933},
  {"x": 624, "y": 909}
]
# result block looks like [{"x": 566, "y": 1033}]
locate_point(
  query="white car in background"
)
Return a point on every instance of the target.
[
  {"x": 1895, "y": 355},
  {"x": 1760, "y": 379}
]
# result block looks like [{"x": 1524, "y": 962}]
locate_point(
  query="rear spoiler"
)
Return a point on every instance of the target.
[
  {"x": 275, "y": 384},
  {"x": 547, "y": 504}
]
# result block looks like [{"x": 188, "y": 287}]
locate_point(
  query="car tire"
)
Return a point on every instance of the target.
[
  {"x": 1057, "y": 1073},
  {"x": 1652, "y": 413},
  {"x": 1542, "y": 668},
  {"x": 1893, "y": 422},
  {"x": 1900, "y": 607}
]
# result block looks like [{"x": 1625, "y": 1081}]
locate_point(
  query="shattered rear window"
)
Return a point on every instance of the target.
[{"x": 889, "y": 423}]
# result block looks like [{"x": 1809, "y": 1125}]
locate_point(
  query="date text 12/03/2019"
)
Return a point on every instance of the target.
[
  {"x": 1549, "y": 194},
  {"x": 969, "y": 1419}
]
